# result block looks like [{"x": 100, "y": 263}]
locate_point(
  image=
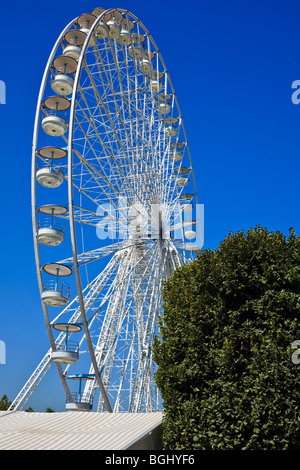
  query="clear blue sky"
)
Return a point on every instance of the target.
[{"x": 232, "y": 65}]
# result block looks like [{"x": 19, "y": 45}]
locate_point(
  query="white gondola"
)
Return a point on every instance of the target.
[
  {"x": 156, "y": 86},
  {"x": 125, "y": 34},
  {"x": 124, "y": 37},
  {"x": 177, "y": 156},
  {"x": 178, "y": 151},
  {"x": 79, "y": 401},
  {"x": 135, "y": 52},
  {"x": 64, "y": 357},
  {"x": 164, "y": 108},
  {"x": 54, "y": 125},
  {"x": 155, "y": 83},
  {"x": 55, "y": 296},
  {"x": 114, "y": 29},
  {"x": 85, "y": 22},
  {"x": 62, "y": 84},
  {"x": 49, "y": 231},
  {"x": 55, "y": 293},
  {"x": 50, "y": 234},
  {"x": 66, "y": 352},
  {"x": 182, "y": 181},
  {"x": 49, "y": 177},
  {"x": 75, "y": 39},
  {"x": 72, "y": 51},
  {"x": 78, "y": 406},
  {"x": 190, "y": 234},
  {"x": 145, "y": 65},
  {"x": 186, "y": 207},
  {"x": 171, "y": 131},
  {"x": 101, "y": 28},
  {"x": 114, "y": 25}
]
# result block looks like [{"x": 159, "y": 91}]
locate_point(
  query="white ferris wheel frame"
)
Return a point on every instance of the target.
[{"x": 78, "y": 259}]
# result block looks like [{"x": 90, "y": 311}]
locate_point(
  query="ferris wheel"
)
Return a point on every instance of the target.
[{"x": 113, "y": 210}]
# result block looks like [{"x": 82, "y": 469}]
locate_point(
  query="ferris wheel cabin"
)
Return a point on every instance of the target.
[
  {"x": 56, "y": 293},
  {"x": 67, "y": 352},
  {"x": 79, "y": 401}
]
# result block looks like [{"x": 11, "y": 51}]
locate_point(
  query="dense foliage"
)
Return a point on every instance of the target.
[
  {"x": 224, "y": 352},
  {"x": 4, "y": 403}
]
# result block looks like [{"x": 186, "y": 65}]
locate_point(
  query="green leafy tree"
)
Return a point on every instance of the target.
[
  {"x": 29, "y": 410},
  {"x": 224, "y": 352},
  {"x": 4, "y": 403}
]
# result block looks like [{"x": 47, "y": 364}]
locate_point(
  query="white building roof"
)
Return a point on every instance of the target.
[{"x": 77, "y": 430}]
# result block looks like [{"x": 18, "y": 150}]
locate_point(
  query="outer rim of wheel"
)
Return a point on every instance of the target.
[{"x": 33, "y": 197}]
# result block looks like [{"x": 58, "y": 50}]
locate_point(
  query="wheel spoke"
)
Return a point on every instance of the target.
[{"x": 98, "y": 253}]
